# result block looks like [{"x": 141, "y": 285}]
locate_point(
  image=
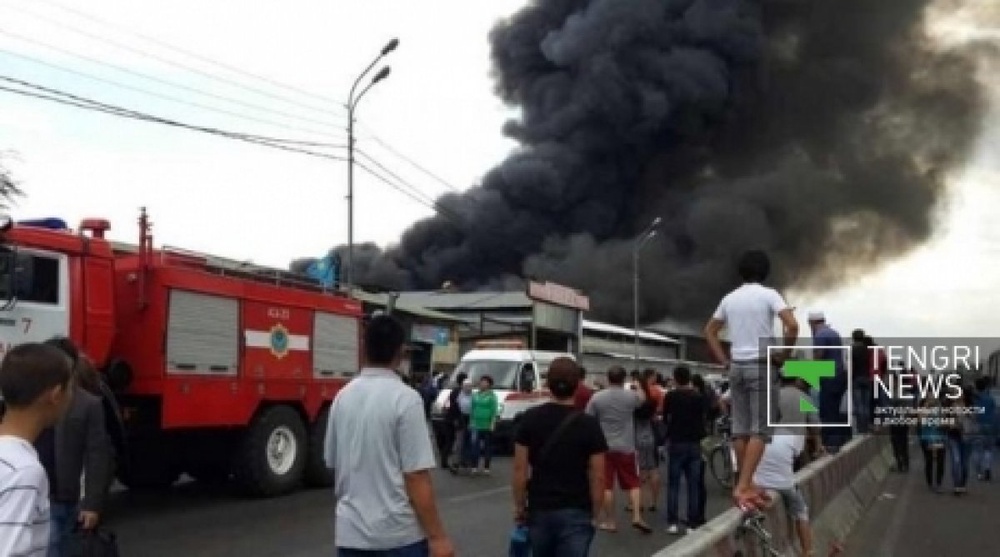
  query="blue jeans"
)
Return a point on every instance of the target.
[
  {"x": 830, "y": 394},
  {"x": 958, "y": 457},
  {"x": 684, "y": 459},
  {"x": 561, "y": 533},
  {"x": 419, "y": 549},
  {"x": 982, "y": 453},
  {"x": 64, "y": 518},
  {"x": 467, "y": 450},
  {"x": 861, "y": 399},
  {"x": 482, "y": 447}
]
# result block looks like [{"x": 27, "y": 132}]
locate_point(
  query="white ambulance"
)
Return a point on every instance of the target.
[{"x": 518, "y": 380}]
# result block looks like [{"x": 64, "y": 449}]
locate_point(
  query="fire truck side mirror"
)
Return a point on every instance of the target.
[{"x": 6, "y": 223}]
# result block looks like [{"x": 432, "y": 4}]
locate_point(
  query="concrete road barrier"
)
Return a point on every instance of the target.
[{"x": 838, "y": 489}]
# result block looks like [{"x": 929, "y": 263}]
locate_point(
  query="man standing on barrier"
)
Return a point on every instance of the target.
[{"x": 749, "y": 312}]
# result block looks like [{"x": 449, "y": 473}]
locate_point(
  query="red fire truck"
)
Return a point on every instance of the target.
[{"x": 210, "y": 370}]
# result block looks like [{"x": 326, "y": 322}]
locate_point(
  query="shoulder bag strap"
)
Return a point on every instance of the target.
[{"x": 570, "y": 418}]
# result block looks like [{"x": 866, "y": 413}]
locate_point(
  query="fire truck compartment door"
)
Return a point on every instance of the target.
[
  {"x": 202, "y": 335},
  {"x": 335, "y": 345}
]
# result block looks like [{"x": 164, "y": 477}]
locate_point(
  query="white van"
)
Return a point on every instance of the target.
[{"x": 518, "y": 380}]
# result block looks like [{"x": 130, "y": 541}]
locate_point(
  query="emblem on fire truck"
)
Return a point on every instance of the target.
[{"x": 279, "y": 341}]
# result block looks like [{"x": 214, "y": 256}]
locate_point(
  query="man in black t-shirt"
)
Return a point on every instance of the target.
[
  {"x": 564, "y": 450},
  {"x": 684, "y": 412}
]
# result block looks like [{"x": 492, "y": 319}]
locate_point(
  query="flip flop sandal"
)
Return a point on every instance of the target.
[
  {"x": 644, "y": 528},
  {"x": 608, "y": 528}
]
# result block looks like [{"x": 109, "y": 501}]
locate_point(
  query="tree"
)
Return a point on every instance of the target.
[{"x": 8, "y": 188}]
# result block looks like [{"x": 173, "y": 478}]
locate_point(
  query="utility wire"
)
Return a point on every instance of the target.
[
  {"x": 414, "y": 164},
  {"x": 216, "y": 63},
  {"x": 210, "y": 61},
  {"x": 125, "y": 113},
  {"x": 69, "y": 99},
  {"x": 371, "y": 160},
  {"x": 161, "y": 96},
  {"x": 156, "y": 57},
  {"x": 156, "y": 80}
]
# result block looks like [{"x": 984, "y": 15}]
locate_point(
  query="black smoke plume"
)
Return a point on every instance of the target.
[{"x": 820, "y": 130}]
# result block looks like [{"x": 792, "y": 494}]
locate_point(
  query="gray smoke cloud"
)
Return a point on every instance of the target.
[{"x": 822, "y": 131}]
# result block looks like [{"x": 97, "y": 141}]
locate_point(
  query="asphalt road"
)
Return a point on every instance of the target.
[
  {"x": 195, "y": 520},
  {"x": 910, "y": 520}
]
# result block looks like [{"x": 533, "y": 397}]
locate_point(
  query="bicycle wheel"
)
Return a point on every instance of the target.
[{"x": 721, "y": 465}]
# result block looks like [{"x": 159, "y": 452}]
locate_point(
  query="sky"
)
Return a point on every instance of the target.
[{"x": 286, "y": 68}]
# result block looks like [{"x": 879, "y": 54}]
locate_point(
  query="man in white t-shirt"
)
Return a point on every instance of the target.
[
  {"x": 748, "y": 313},
  {"x": 777, "y": 471},
  {"x": 36, "y": 385}
]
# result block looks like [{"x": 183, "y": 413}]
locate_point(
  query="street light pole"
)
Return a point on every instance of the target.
[
  {"x": 646, "y": 236},
  {"x": 352, "y": 103}
]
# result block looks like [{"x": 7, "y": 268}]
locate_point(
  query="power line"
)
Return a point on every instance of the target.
[
  {"x": 382, "y": 168},
  {"x": 78, "y": 102},
  {"x": 414, "y": 164},
  {"x": 161, "y": 96},
  {"x": 157, "y": 80},
  {"x": 219, "y": 64},
  {"x": 69, "y": 99},
  {"x": 196, "y": 56},
  {"x": 158, "y": 58}
]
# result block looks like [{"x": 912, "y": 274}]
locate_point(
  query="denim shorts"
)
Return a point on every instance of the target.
[
  {"x": 795, "y": 503},
  {"x": 750, "y": 409}
]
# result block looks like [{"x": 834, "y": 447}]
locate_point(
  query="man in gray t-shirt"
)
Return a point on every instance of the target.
[
  {"x": 614, "y": 407},
  {"x": 379, "y": 448}
]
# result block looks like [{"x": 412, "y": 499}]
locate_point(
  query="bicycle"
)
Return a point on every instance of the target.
[
  {"x": 753, "y": 523},
  {"x": 722, "y": 456}
]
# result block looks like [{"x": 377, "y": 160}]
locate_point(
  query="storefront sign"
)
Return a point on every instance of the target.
[
  {"x": 433, "y": 334},
  {"x": 558, "y": 295}
]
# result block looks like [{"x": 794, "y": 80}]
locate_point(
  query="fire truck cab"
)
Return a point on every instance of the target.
[{"x": 209, "y": 370}]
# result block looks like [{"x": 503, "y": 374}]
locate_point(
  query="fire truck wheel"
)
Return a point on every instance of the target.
[
  {"x": 317, "y": 474},
  {"x": 272, "y": 458}
]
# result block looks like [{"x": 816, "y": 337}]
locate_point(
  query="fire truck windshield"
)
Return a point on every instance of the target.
[
  {"x": 29, "y": 278},
  {"x": 503, "y": 372},
  {"x": 7, "y": 267}
]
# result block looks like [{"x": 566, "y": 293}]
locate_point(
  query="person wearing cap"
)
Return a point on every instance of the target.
[
  {"x": 828, "y": 345},
  {"x": 558, "y": 478}
]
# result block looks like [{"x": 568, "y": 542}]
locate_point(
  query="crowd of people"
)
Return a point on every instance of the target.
[{"x": 569, "y": 453}]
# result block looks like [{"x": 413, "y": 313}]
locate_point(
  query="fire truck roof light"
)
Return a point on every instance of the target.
[{"x": 49, "y": 223}]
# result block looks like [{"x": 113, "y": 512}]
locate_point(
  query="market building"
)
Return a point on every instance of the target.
[
  {"x": 433, "y": 335},
  {"x": 546, "y": 316}
]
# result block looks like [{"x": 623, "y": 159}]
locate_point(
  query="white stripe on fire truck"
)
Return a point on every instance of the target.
[{"x": 262, "y": 339}]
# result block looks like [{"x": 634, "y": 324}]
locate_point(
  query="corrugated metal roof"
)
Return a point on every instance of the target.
[
  {"x": 466, "y": 300},
  {"x": 383, "y": 299},
  {"x": 615, "y": 329},
  {"x": 684, "y": 328}
]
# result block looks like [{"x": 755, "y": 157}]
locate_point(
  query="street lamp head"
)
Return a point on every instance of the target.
[
  {"x": 390, "y": 46},
  {"x": 382, "y": 74}
]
